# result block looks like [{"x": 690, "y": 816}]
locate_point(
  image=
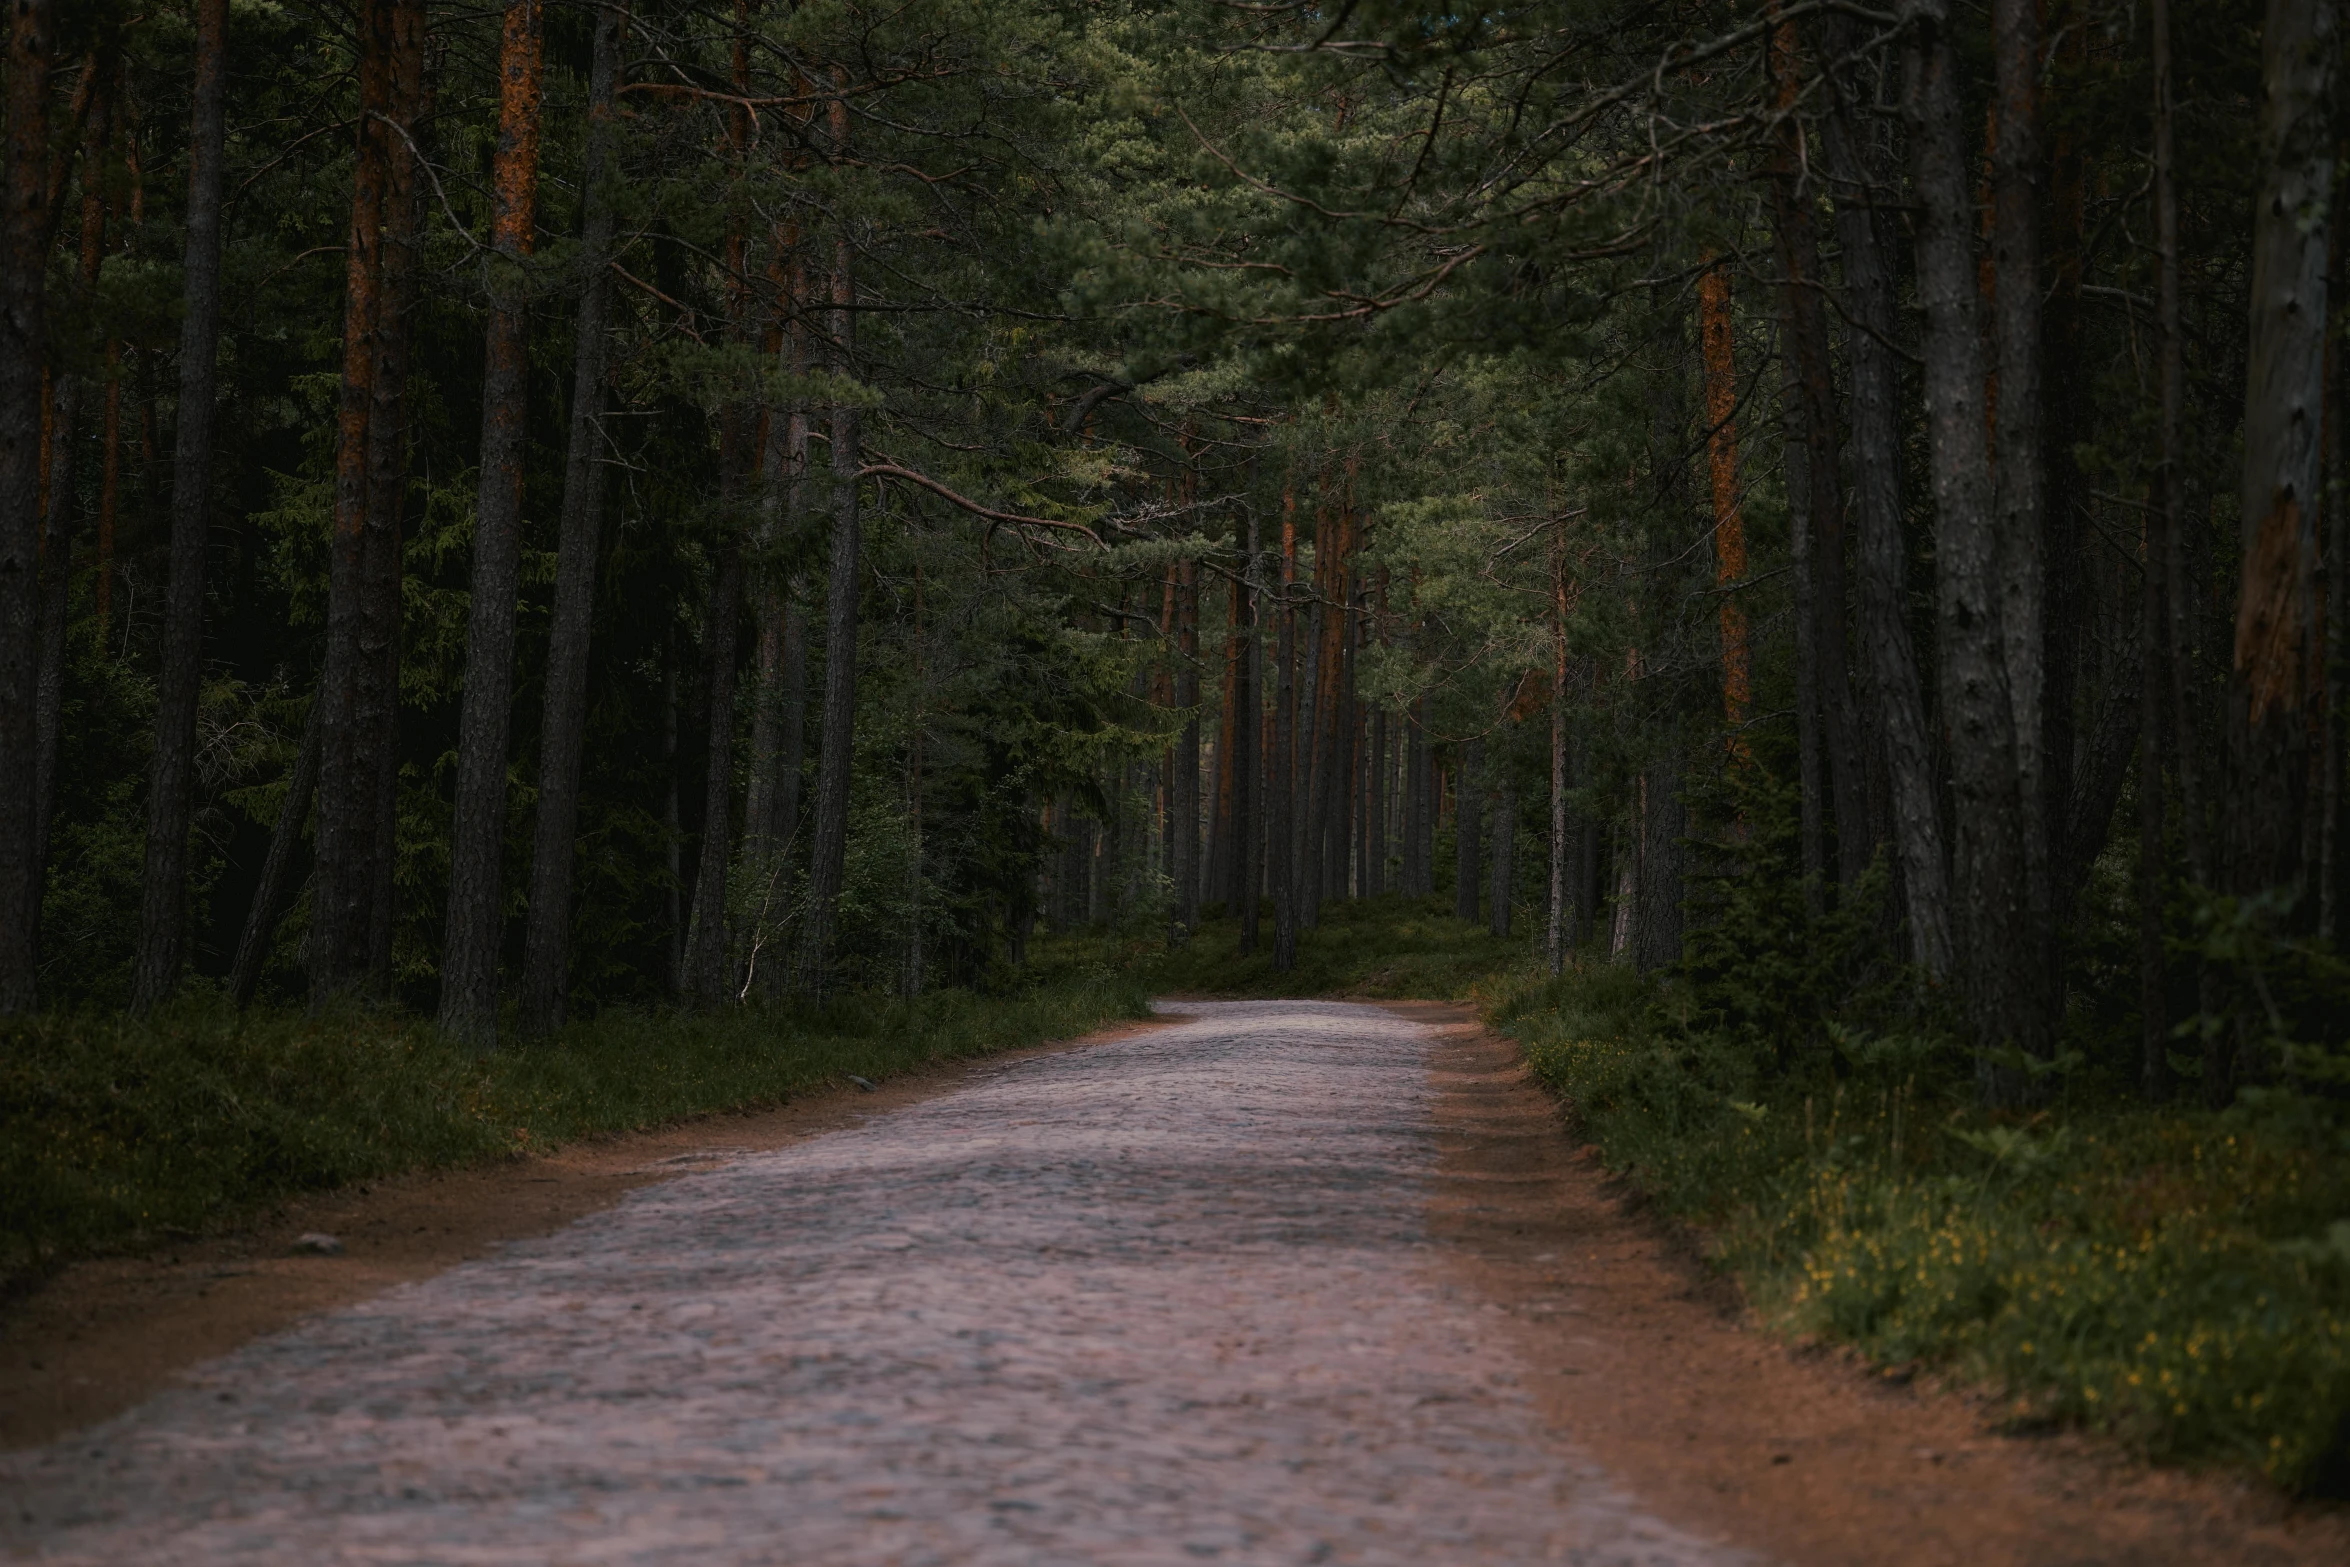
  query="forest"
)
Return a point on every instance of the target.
[{"x": 1816, "y": 526}]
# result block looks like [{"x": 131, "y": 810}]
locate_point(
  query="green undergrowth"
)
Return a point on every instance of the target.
[
  {"x": 113, "y": 1130},
  {"x": 2176, "y": 1278},
  {"x": 1385, "y": 948}
]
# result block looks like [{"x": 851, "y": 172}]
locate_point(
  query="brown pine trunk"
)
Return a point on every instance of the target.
[
  {"x": 1281, "y": 773},
  {"x": 1715, "y": 332},
  {"x": 477, "y": 913},
  {"x": 1222, "y": 874},
  {"x": 1185, "y": 801},
  {"x": 170, "y": 794},
  {"x": 348, "y": 783},
  {"x": 24, "y": 254},
  {"x": 546, "y": 946},
  {"x": 2002, "y": 952},
  {"x": 1874, "y": 461},
  {"x": 1248, "y": 735}
]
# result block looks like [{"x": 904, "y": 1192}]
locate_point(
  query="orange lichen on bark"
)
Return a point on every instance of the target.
[{"x": 514, "y": 174}]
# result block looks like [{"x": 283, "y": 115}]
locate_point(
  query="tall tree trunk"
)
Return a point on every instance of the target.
[
  {"x": 1505, "y": 846},
  {"x": 2276, "y": 672},
  {"x": 546, "y": 944},
  {"x": 170, "y": 794},
  {"x": 2154, "y": 1019},
  {"x": 1247, "y": 763},
  {"x": 1281, "y": 774},
  {"x": 773, "y": 598},
  {"x": 1874, "y": 461},
  {"x": 1715, "y": 332},
  {"x": 348, "y": 776},
  {"x": 2164, "y": 651},
  {"x": 1420, "y": 822},
  {"x": 1376, "y": 772},
  {"x": 2171, "y": 470},
  {"x": 378, "y": 706},
  {"x": 2002, "y": 947},
  {"x": 277, "y": 866},
  {"x": 24, "y": 248},
  {"x": 829, "y": 852},
  {"x": 2014, "y": 415},
  {"x": 1186, "y": 802},
  {"x": 1560, "y": 914},
  {"x": 1223, "y": 876},
  {"x": 708, "y": 955},
  {"x": 477, "y": 913},
  {"x": 57, "y": 542},
  {"x": 1467, "y": 861},
  {"x": 1813, "y": 449},
  {"x": 1664, "y": 823},
  {"x": 2069, "y": 411},
  {"x": 672, "y": 814}
]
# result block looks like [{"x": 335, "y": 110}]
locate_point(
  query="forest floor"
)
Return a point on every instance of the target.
[{"x": 1281, "y": 1282}]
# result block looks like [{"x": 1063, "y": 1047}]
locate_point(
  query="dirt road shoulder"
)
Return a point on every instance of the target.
[{"x": 1652, "y": 1366}]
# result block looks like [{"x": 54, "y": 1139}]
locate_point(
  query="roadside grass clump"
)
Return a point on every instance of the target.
[
  {"x": 114, "y": 1130},
  {"x": 2177, "y": 1278}
]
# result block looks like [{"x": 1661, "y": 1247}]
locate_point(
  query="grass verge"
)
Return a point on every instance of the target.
[
  {"x": 2175, "y": 1278},
  {"x": 113, "y": 1130}
]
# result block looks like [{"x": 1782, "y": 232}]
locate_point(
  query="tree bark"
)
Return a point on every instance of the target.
[
  {"x": 1560, "y": 914},
  {"x": 1467, "y": 861},
  {"x": 829, "y": 852},
  {"x": 2276, "y": 671},
  {"x": 24, "y": 247},
  {"x": 387, "y": 482},
  {"x": 348, "y": 781},
  {"x": 269, "y": 894},
  {"x": 1715, "y": 332},
  {"x": 546, "y": 945},
  {"x": 1505, "y": 844},
  {"x": 2002, "y": 943},
  {"x": 2154, "y": 1020},
  {"x": 477, "y": 914},
  {"x": 1873, "y": 459},
  {"x": 1247, "y": 763},
  {"x": 1281, "y": 775},
  {"x": 2014, "y": 416},
  {"x": 1664, "y": 823},
  {"x": 1184, "y": 840},
  {"x": 170, "y": 794},
  {"x": 57, "y": 539},
  {"x": 1813, "y": 449}
]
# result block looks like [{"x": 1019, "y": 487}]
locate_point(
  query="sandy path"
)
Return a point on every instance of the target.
[{"x": 1170, "y": 1299}]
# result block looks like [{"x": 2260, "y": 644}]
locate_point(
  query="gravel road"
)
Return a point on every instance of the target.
[{"x": 1171, "y": 1298}]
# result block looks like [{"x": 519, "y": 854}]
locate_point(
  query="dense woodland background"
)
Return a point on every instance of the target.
[
  {"x": 1793, "y": 551},
  {"x": 512, "y": 510}
]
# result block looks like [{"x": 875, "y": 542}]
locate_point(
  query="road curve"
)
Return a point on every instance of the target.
[{"x": 1168, "y": 1299}]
